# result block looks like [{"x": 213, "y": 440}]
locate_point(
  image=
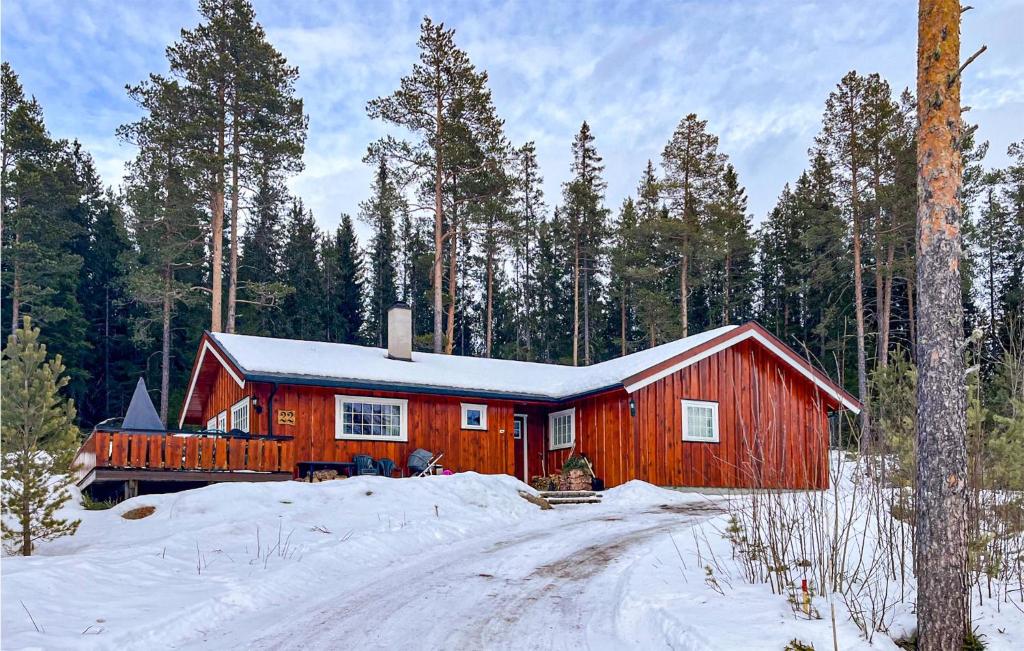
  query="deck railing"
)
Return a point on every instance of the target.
[{"x": 203, "y": 451}]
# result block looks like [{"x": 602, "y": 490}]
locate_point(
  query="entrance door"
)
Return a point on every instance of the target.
[{"x": 519, "y": 433}]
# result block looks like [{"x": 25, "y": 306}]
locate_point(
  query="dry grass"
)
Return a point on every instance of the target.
[{"x": 139, "y": 512}]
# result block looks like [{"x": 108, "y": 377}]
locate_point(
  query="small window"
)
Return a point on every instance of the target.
[
  {"x": 474, "y": 416},
  {"x": 359, "y": 418},
  {"x": 212, "y": 423},
  {"x": 222, "y": 421},
  {"x": 562, "y": 429},
  {"x": 240, "y": 415},
  {"x": 700, "y": 421}
]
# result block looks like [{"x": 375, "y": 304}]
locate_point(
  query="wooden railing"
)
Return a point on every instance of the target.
[{"x": 203, "y": 451}]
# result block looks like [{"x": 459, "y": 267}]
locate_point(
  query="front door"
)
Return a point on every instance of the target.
[{"x": 521, "y": 443}]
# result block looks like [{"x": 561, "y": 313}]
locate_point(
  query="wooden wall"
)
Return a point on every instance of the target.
[
  {"x": 773, "y": 427},
  {"x": 434, "y": 423}
]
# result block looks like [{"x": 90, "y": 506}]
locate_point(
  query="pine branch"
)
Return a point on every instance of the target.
[{"x": 970, "y": 59}]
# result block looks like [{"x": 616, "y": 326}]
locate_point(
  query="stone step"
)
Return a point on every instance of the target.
[
  {"x": 558, "y": 494},
  {"x": 558, "y": 501}
]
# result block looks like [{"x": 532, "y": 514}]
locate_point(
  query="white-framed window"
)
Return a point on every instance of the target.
[
  {"x": 474, "y": 416},
  {"x": 360, "y": 418},
  {"x": 222, "y": 421},
  {"x": 562, "y": 429},
  {"x": 212, "y": 423},
  {"x": 240, "y": 415},
  {"x": 700, "y": 421}
]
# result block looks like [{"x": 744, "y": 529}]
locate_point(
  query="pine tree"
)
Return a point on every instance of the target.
[
  {"x": 692, "y": 165},
  {"x": 624, "y": 254},
  {"x": 39, "y": 438},
  {"x": 380, "y": 212},
  {"x": 343, "y": 285},
  {"x": 843, "y": 140},
  {"x": 441, "y": 101},
  {"x": 554, "y": 291},
  {"x": 245, "y": 120},
  {"x": 943, "y": 604},
  {"x": 164, "y": 215}
]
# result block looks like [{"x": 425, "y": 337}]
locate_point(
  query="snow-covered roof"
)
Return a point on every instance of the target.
[{"x": 312, "y": 361}]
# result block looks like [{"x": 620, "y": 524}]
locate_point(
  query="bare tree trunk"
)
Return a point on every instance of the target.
[
  {"x": 438, "y": 231},
  {"x": 941, "y": 493},
  {"x": 858, "y": 291},
  {"x": 725, "y": 290},
  {"x": 217, "y": 228},
  {"x": 885, "y": 311},
  {"x": 165, "y": 348},
  {"x": 16, "y": 290},
  {"x": 233, "y": 256},
  {"x": 912, "y": 319},
  {"x": 684, "y": 272},
  {"x": 490, "y": 304},
  {"x": 576, "y": 304},
  {"x": 453, "y": 285},
  {"x": 586, "y": 318},
  {"x": 622, "y": 319}
]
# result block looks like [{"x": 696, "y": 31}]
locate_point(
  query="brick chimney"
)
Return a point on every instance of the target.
[{"x": 400, "y": 332}]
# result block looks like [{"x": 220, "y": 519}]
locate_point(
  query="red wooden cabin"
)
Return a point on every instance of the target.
[{"x": 732, "y": 407}]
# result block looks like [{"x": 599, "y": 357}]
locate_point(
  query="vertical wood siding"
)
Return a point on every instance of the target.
[{"x": 773, "y": 427}]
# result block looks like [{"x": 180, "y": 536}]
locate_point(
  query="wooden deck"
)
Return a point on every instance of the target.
[{"x": 183, "y": 456}]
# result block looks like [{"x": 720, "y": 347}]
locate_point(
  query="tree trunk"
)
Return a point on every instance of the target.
[
  {"x": 885, "y": 311},
  {"x": 16, "y": 289},
  {"x": 941, "y": 493},
  {"x": 684, "y": 272},
  {"x": 438, "y": 233},
  {"x": 576, "y": 303},
  {"x": 912, "y": 319},
  {"x": 233, "y": 256},
  {"x": 217, "y": 228},
  {"x": 453, "y": 285},
  {"x": 490, "y": 303},
  {"x": 622, "y": 319},
  {"x": 26, "y": 512},
  {"x": 725, "y": 290},
  {"x": 586, "y": 318},
  {"x": 165, "y": 349},
  {"x": 858, "y": 297}
]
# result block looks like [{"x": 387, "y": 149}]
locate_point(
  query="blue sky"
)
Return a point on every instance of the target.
[{"x": 759, "y": 72}]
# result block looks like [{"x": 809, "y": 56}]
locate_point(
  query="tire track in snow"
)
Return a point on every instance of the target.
[{"x": 536, "y": 587}]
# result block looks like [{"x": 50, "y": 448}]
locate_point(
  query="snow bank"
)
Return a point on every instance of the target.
[
  {"x": 211, "y": 554},
  {"x": 636, "y": 491}
]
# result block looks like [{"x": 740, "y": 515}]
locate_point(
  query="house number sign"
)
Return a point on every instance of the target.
[{"x": 286, "y": 417}]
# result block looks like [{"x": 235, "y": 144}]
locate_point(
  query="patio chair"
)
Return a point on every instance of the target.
[
  {"x": 386, "y": 467},
  {"x": 364, "y": 464}
]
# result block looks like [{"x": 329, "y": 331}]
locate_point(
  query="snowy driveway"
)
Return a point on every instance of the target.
[{"x": 554, "y": 583}]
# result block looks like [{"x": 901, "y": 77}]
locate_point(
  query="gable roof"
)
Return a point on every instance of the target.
[{"x": 292, "y": 361}]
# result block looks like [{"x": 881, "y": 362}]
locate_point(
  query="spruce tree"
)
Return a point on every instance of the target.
[
  {"x": 302, "y": 314},
  {"x": 527, "y": 213},
  {"x": 587, "y": 221},
  {"x": 730, "y": 269},
  {"x": 39, "y": 439},
  {"x": 379, "y": 213},
  {"x": 343, "y": 285},
  {"x": 260, "y": 290}
]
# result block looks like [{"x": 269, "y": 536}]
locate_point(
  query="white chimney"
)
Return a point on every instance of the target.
[{"x": 400, "y": 332}]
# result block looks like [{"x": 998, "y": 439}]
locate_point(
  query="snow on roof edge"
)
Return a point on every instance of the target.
[{"x": 351, "y": 365}]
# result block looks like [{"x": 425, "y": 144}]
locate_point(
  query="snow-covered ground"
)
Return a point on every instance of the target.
[{"x": 457, "y": 562}]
